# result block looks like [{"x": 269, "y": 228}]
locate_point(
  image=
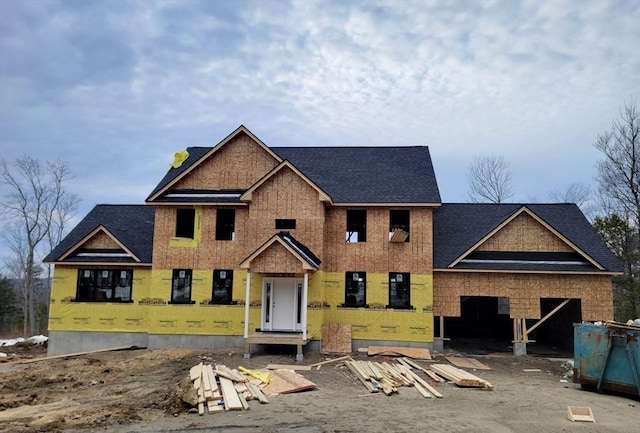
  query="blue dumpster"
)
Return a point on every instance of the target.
[{"x": 607, "y": 357}]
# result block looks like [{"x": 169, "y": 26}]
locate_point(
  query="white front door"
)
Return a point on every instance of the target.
[{"x": 281, "y": 304}]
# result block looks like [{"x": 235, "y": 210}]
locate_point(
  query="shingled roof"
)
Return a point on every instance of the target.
[
  {"x": 459, "y": 226},
  {"x": 131, "y": 225},
  {"x": 368, "y": 174},
  {"x": 352, "y": 174}
]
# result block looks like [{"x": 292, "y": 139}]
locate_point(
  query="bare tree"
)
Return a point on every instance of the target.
[
  {"x": 619, "y": 170},
  {"x": 33, "y": 200},
  {"x": 489, "y": 179}
]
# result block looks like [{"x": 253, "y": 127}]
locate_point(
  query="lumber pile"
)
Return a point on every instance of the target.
[
  {"x": 220, "y": 388},
  {"x": 387, "y": 377},
  {"x": 460, "y": 377}
]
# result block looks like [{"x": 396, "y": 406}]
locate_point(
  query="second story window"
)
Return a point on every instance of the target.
[
  {"x": 185, "y": 223},
  {"x": 181, "y": 286},
  {"x": 222, "y": 286},
  {"x": 399, "y": 225},
  {"x": 355, "y": 289},
  {"x": 225, "y": 224},
  {"x": 356, "y": 225}
]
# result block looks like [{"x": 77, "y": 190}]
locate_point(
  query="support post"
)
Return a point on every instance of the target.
[
  {"x": 303, "y": 316},
  {"x": 519, "y": 337},
  {"x": 247, "y": 295}
]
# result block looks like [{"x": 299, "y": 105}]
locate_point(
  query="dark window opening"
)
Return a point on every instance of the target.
[
  {"x": 399, "y": 290},
  {"x": 355, "y": 289},
  {"x": 356, "y": 225},
  {"x": 185, "y": 223},
  {"x": 285, "y": 224},
  {"x": 104, "y": 285},
  {"x": 399, "y": 225},
  {"x": 181, "y": 286},
  {"x": 225, "y": 224},
  {"x": 222, "y": 291}
]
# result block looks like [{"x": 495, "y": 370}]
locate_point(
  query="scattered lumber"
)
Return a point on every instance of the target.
[
  {"x": 223, "y": 389},
  {"x": 467, "y": 363},
  {"x": 411, "y": 352},
  {"x": 460, "y": 377},
  {"x": 408, "y": 362},
  {"x": 389, "y": 377}
]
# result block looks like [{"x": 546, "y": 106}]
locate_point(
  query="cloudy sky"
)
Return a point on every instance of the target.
[{"x": 115, "y": 88}]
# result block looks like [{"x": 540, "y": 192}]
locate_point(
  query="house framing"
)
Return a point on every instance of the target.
[{"x": 241, "y": 243}]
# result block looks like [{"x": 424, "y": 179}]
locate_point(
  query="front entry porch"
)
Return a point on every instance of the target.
[{"x": 294, "y": 338}]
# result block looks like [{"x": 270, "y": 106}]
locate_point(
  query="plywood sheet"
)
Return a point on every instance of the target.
[
  {"x": 467, "y": 363},
  {"x": 410, "y": 352},
  {"x": 336, "y": 338},
  {"x": 286, "y": 382}
]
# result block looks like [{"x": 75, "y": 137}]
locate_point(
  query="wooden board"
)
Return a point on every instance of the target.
[
  {"x": 336, "y": 338},
  {"x": 286, "y": 382},
  {"x": 288, "y": 367},
  {"x": 229, "y": 394},
  {"x": 410, "y": 352},
  {"x": 467, "y": 363}
]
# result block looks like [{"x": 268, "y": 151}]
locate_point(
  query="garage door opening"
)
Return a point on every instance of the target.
[{"x": 484, "y": 322}]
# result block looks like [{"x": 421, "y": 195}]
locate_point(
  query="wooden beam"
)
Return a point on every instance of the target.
[{"x": 551, "y": 313}]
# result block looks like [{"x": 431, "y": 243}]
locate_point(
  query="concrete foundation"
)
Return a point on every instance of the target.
[
  {"x": 519, "y": 349},
  {"x": 64, "y": 342}
]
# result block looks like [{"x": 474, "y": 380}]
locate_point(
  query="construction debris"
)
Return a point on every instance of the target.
[
  {"x": 222, "y": 389},
  {"x": 580, "y": 413}
]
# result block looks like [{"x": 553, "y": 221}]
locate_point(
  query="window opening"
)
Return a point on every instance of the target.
[
  {"x": 104, "y": 285},
  {"x": 299, "y": 309},
  {"x": 222, "y": 291},
  {"x": 267, "y": 302},
  {"x": 225, "y": 224},
  {"x": 285, "y": 224},
  {"x": 399, "y": 290},
  {"x": 185, "y": 223},
  {"x": 181, "y": 286},
  {"x": 355, "y": 289},
  {"x": 356, "y": 225},
  {"x": 399, "y": 225}
]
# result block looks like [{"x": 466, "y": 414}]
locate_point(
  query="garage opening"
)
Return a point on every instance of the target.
[{"x": 484, "y": 322}]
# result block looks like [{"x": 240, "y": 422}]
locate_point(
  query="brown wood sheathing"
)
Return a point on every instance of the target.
[
  {"x": 239, "y": 163},
  {"x": 524, "y": 292},
  {"x": 100, "y": 240},
  {"x": 524, "y": 233},
  {"x": 276, "y": 259},
  {"x": 377, "y": 254}
]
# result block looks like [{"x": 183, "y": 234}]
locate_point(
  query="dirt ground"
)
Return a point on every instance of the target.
[{"x": 142, "y": 391}]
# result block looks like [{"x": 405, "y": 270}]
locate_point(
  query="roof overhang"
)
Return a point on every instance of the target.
[{"x": 100, "y": 229}]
